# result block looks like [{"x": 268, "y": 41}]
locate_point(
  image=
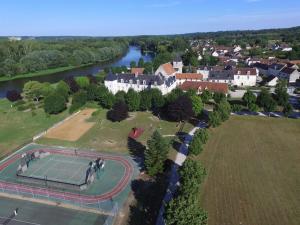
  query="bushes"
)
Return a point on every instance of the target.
[
  {"x": 13, "y": 95},
  {"x": 200, "y": 138},
  {"x": 236, "y": 108},
  {"x": 54, "y": 103},
  {"x": 119, "y": 112},
  {"x": 79, "y": 100}
]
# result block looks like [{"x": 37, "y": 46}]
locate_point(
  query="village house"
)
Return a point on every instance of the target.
[
  {"x": 270, "y": 81},
  {"x": 199, "y": 87},
  {"x": 289, "y": 74},
  {"x": 245, "y": 77},
  {"x": 182, "y": 77},
  {"x": 124, "y": 82}
]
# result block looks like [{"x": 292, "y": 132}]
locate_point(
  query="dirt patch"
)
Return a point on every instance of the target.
[
  {"x": 131, "y": 116},
  {"x": 74, "y": 128}
]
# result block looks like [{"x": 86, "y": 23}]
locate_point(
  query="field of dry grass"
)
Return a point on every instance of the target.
[{"x": 253, "y": 167}]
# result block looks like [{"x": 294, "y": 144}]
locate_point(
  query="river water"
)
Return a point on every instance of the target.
[{"x": 133, "y": 54}]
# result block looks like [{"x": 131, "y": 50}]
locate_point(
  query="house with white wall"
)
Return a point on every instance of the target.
[
  {"x": 289, "y": 74},
  {"x": 245, "y": 77},
  {"x": 124, "y": 82}
]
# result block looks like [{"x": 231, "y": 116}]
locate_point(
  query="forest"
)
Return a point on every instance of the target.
[{"x": 27, "y": 56}]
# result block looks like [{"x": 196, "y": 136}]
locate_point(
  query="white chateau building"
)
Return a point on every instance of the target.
[{"x": 164, "y": 79}]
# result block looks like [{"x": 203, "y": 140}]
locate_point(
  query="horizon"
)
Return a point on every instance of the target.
[{"x": 93, "y": 18}]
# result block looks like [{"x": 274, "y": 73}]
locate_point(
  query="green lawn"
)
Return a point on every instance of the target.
[
  {"x": 39, "y": 73},
  {"x": 112, "y": 137},
  {"x": 253, "y": 166},
  {"x": 17, "y": 128}
]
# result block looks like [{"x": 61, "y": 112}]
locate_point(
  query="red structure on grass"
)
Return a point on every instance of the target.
[{"x": 136, "y": 132}]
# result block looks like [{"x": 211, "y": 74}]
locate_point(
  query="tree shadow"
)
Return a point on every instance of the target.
[
  {"x": 148, "y": 194},
  {"x": 137, "y": 151}
]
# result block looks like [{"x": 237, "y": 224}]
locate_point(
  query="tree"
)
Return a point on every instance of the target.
[
  {"x": 196, "y": 146},
  {"x": 266, "y": 101},
  {"x": 181, "y": 109},
  {"x": 63, "y": 89},
  {"x": 206, "y": 96},
  {"x": 74, "y": 87},
  {"x": 141, "y": 63},
  {"x": 197, "y": 104},
  {"x": 224, "y": 109},
  {"x": 79, "y": 100},
  {"x": 185, "y": 210},
  {"x": 82, "y": 81},
  {"x": 54, "y": 103},
  {"x": 253, "y": 107},
  {"x": 219, "y": 96},
  {"x": 146, "y": 100},
  {"x": 162, "y": 58},
  {"x": 249, "y": 98},
  {"x": 33, "y": 90},
  {"x": 132, "y": 64},
  {"x": 107, "y": 100},
  {"x": 281, "y": 94},
  {"x": 120, "y": 96},
  {"x": 236, "y": 108},
  {"x": 158, "y": 100},
  {"x": 192, "y": 174},
  {"x": 13, "y": 95},
  {"x": 214, "y": 119},
  {"x": 156, "y": 154},
  {"x": 133, "y": 100},
  {"x": 287, "y": 110},
  {"x": 119, "y": 112},
  {"x": 92, "y": 92}
]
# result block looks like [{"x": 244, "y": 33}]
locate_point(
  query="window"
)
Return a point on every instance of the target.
[
  {"x": 122, "y": 81},
  {"x": 248, "y": 77},
  {"x": 138, "y": 82},
  {"x": 144, "y": 82},
  {"x": 155, "y": 83},
  {"x": 130, "y": 81}
]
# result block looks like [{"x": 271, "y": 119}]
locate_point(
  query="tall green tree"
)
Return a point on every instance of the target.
[
  {"x": 249, "y": 98},
  {"x": 133, "y": 100},
  {"x": 156, "y": 154},
  {"x": 146, "y": 100},
  {"x": 54, "y": 103},
  {"x": 282, "y": 96},
  {"x": 197, "y": 104},
  {"x": 63, "y": 89}
]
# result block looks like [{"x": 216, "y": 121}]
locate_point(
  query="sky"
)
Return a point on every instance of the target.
[{"x": 140, "y": 17}]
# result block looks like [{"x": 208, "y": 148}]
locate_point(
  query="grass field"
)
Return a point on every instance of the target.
[
  {"x": 253, "y": 166},
  {"x": 108, "y": 136},
  {"x": 16, "y": 127},
  {"x": 39, "y": 73}
]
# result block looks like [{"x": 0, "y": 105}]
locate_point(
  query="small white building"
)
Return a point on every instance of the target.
[
  {"x": 271, "y": 81},
  {"x": 124, "y": 82},
  {"x": 245, "y": 77},
  {"x": 167, "y": 69}
]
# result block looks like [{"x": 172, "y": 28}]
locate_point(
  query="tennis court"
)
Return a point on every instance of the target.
[
  {"x": 108, "y": 191},
  {"x": 61, "y": 168},
  {"x": 30, "y": 213}
]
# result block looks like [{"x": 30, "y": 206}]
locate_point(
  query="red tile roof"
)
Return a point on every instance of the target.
[
  {"x": 201, "y": 86},
  {"x": 137, "y": 71},
  {"x": 168, "y": 68},
  {"x": 194, "y": 76}
]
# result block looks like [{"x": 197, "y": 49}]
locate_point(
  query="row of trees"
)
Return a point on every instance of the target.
[
  {"x": 267, "y": 101},
  {"x": 184, "y": 208},
  {"x": 36, "y": 55}
]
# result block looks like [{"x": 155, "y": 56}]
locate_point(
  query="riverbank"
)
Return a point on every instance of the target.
[{"x": 41, "y": 73}]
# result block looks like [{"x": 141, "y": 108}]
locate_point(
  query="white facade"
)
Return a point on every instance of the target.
[
  {"x": 178, "y": 66},
  {"x": 292, "y": 77},
  {"x": 273, "y": 82},
  {"x": 244, "y": 80},
  {"x": 205, "y": 73}
]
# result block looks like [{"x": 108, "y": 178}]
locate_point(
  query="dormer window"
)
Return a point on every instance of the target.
[
  {"x": 239, "y": 72},
  {"x": 130, "y": 81},
  {"x": 144, "y": 82},
  {"x": 138, "y": 82},
  {"x": 122, "y": 81},
  {"x": 248, "y": 72},
  {"x": 155, "y": 83}
]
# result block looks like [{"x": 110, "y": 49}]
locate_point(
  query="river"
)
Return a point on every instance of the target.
[{"x": 133, "y": 54}]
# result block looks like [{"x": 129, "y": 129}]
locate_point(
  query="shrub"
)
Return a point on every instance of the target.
[
  {"x": 13, "y": 95},
  {"x": 236, "y": 108},
  {"x": 119, "y": 112},
  {"x": 54, "y": 103},
  {"x": 214, "y": 119}
]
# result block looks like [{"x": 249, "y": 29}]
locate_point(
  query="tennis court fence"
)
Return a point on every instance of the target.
[{"x": 106, "y": 207}]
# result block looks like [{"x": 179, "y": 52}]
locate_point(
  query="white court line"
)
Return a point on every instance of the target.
[{"x": 22, "y": 221}]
